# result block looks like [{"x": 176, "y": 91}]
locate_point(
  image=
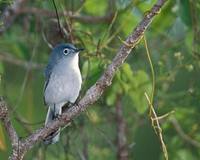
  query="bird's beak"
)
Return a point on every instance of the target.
[{"x": 79, "y": 49}]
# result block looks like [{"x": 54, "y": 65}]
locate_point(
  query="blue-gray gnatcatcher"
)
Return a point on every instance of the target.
[{"x": 63, "y": 83}]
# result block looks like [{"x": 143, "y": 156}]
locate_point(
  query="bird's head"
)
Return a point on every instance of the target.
[{"x": 64, "y": 50}]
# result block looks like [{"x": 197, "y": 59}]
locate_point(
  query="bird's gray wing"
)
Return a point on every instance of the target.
[
  {"x": 45, "y": 86},
  {"x": 48, "y": 70},
  {"x": 47, "y": 74}
]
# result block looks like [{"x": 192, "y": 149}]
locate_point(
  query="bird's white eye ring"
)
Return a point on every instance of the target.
[{"x": 66, "y": 51}]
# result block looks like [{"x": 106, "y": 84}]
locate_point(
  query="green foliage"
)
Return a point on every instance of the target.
[
  {"x": 173, "y": 42},
  {"x": 122, "y": 4},
  {"x": 134, "y": 85},
  {"x": 185, "y": 12},
  {"x": 91, "y": 7}
]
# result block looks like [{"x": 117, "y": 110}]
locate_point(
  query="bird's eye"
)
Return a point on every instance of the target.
[{"x": 66, "y": 51}]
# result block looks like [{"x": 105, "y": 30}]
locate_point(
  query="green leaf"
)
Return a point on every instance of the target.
[
  {"x": 184, "y": 155},
  {"x": 122, "y": 4},
  {"x": 127, "y": 71},
  {"x": 185, "y": 12},
  {"x": 129, "y": 20},
  {"x": 110, "y": 99},
  {"x": 116, "y": 88},
  {"x": 142, "y": 84},
  {"x": 178, "y": 30},
  {"x": 1, "y": 69},
  {"x": 96, "y": 7}
]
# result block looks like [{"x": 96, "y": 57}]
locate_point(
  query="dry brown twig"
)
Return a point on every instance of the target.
[
  {"x": 20, "y": 147},
  {"x": 182, "y": 134},
  {"x": 156, "y": 126}
]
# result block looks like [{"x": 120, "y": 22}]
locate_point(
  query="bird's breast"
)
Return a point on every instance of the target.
[{"x": 64, "y": 85}]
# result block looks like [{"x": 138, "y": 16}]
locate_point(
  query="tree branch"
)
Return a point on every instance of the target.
[
  {"x": 81, "y": 18},
  {"x": 122, "y": 149},
  {"x": 10, "y": 59},
  {"x": 4, "y": 117},
  {"x": 10, "y": 13},
  {"x": 94, "y": 93},
  {"x": 17, "y": 8},
  {"x": 183, "y": 135}
]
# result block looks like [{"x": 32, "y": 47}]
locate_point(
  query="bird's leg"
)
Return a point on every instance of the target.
[
  {"x": 56, "y": 115},
  {"x": 75, "y": 103},
  {"x": 70, "y": 104},
  {"x": 53, "y": 134}
]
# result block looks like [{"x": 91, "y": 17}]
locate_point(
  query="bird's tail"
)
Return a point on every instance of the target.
[{"x": 53, "y": 113}]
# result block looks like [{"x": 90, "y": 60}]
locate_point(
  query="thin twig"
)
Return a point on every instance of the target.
[
  {"x": 28, "y": 70},
  {"x": 76, "y": 16},
  {"x": 58, "y": 19},
  {"x": 183, "y": 135},
  {"x": 13, "y": 60},
  {"x": 156, "y": 126},
  {"x": 17, "y": 8},
  {"x": 152, "y": 69}
]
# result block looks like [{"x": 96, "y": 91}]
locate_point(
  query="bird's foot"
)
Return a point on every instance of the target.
[
  {"x": 57, "y": 116},
  {"x": 49, "y": 138},
  {"x": 70, "y": 104}
]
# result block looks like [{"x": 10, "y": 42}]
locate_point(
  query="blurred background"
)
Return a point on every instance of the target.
[{"x": 118, "y": 126}]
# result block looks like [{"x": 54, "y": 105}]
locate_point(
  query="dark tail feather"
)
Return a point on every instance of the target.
[{"x": 53, "y": 113}]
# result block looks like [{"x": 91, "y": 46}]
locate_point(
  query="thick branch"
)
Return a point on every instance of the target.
[
  {"x": 94, "y": 93},
  {"x": 4, "y": 117}
]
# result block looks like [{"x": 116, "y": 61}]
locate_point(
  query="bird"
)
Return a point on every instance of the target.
[{"x": 62, "y": 83}]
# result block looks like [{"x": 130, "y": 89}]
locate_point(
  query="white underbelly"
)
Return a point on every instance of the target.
[{"x": 62, "y": 88}]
